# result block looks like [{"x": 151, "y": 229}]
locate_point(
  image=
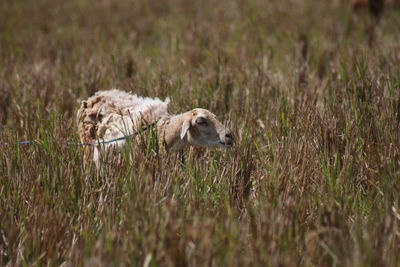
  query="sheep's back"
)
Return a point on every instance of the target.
[{"x": 115, "y": 113}]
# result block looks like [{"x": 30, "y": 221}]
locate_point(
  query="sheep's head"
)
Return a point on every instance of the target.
[{"x": 201, "y": 128}]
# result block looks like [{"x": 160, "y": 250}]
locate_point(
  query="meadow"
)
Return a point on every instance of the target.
[{"x": 311, "y": 90}]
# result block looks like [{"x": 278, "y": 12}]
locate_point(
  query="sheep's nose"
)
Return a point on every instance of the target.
[{"x": 228, "y": 138}]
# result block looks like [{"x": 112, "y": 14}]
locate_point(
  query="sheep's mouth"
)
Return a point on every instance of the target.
[{"x": 226, "y": 143}]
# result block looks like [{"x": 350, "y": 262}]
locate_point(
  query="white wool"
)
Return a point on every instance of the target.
[
  {"x": 126, "y": 99},
  {"x": 137, "y": 108}
]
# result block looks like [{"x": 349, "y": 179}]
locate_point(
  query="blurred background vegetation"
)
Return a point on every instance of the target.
[{"x": 310, "y": 88}]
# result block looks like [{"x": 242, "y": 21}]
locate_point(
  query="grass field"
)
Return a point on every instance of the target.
[{"x": 311, "y": 90}]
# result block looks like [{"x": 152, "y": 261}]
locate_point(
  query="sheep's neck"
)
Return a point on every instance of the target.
[{"x": 169, "y": 131}]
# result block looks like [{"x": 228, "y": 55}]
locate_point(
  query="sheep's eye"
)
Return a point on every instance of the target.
[{"x": 201, "y": 121}]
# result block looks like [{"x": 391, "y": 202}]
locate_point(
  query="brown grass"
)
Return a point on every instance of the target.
[{"x": 311, "y": 90}]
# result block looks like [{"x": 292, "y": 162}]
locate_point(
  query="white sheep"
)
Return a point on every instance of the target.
[{"x": 112, "y": 114}]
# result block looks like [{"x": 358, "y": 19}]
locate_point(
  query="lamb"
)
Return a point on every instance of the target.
[{"x": 112, "y": 114}]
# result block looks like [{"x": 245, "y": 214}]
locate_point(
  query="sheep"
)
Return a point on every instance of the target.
[{"x": 113, "y": 113}]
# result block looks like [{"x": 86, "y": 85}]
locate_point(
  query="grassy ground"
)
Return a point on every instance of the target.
[{"x": 310, "y": 88}]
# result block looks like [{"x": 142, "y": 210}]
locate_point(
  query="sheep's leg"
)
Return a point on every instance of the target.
[{"x": 96, "y": 158}]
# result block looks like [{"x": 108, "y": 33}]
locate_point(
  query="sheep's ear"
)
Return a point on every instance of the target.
[{"x": 185, "y": 128}]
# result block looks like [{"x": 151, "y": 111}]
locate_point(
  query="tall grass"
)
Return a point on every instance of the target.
[{"x": 310, "y": 89}]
